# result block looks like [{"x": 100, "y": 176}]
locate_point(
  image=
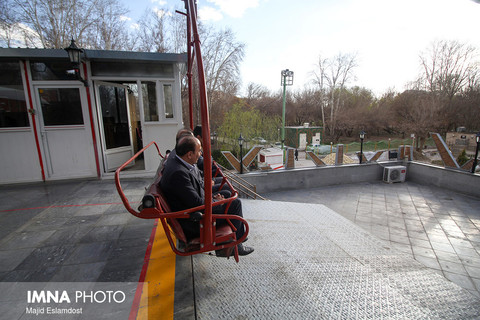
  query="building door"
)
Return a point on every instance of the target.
[
  {"x": 302, "y": 141},
  {"x": 65, "y": 132},
  {"x": 115, "y": 124}
]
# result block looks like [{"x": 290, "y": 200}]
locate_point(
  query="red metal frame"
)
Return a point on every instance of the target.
[
  {"x": 92, "y": 124},
  {"x": 193, "y": 41},
  {"x": 160, "y": 211},
  {"x": 209, "y": 238},
  {"x": 34, "y": 122}
]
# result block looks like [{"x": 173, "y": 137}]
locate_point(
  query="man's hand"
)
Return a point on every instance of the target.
[{"x": 218, "y": 197}]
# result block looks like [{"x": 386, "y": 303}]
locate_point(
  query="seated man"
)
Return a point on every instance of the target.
[
  {"x": 225, "y": 191},
  {"x": 183, "y": 187},
  {"x": 216, "y": 181}
]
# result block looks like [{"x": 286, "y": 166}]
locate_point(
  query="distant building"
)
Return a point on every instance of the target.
[
  {"x": 301, "y": 136},
  {"x": 271, "y": 157},
  {"x": 460, "y": 140},
  {"x": 53, "y": 127}
]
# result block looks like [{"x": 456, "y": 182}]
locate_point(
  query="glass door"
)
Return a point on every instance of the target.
[
  {"x": 115, "y": 124},
  {"x": 65, "y": 132}
]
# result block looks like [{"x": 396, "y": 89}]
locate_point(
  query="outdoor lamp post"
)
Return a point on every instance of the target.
[
  {"x": 75, "y": 56},
  {"x": 287, "y": 80},
  {"x": 240, "y": 143},
  {"x": 362, "y": 136},
  {"x": 215, "y": 139},
  {"x": 477, "y": 137}
]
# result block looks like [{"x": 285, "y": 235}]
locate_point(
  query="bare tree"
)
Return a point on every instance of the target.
[
  {"x": 92, "y": 23},
  {"x": 222, "y": 55},
  {"x": 8, "y": 23},
  {"x": 56, "y": 22},
  {"x": 110, "y": 30},
  {"x": 417, "y": 113},
  {"x": 177, "y": 33},
  {"x": 334, "y": 74},
  {"x": 319, "y": 79},
  {"x": 152, "y": 31},
  {"x": 448, "y": 69},
  {"x": 302, "y": 108},
  {"x": 340, "y": 72},
  {"x": 448, "y": 66}
]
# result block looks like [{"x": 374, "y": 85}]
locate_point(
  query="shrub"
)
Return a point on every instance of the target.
[{"x": 462, "y": 158}]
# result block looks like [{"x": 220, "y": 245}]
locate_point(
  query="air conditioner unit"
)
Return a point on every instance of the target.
[{"x": 394, "y": 174}]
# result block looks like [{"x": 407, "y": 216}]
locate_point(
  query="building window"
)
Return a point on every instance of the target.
[
  {"x": 13, "y": 108},
  {"x": 168, "y": 100},
  {"x": 51, "y": 70},
  {"x": 149, "y": 95},
  {"x": 61, "y": 106}
]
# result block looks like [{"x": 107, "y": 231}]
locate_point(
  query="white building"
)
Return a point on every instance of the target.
[
  {"x": 54, "y": 127},
  {"x": 272, "y": 157}
]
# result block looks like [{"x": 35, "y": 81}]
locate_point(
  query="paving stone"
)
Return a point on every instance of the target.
[
  {"x": 462, "y": 280},
  {"x": 453, "y": 267},
  {"x": 425, "y": 252}
]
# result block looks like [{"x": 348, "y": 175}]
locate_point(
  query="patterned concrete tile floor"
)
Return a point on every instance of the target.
[
  {"x": 87, "y": 232},
  {"x": 437, "y": 227},
  {"x": 74, "y": 231}
]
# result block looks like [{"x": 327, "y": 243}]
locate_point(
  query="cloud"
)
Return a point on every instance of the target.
[
  {"x": 160, "y": 12},
  {"x": 125, "y": 18},
  {"x": 234, "y": 8},
  {"x": 209, "y": 14},
  {"x": 159, "y": 2}
]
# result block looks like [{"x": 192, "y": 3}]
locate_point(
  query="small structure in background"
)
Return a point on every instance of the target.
[
  {"x": 405, "y": 151},
  {"x": 318, "y": 162},
  {"x": 461, "y": 140},
  {"x": 339, "y": 155},
  {"x": 300, "y": 136},
  {"x": 246, "y": 160},
  {"x": 270, "y": 158},
  {"x": 290, "y": 159},
  {"x": 330, "y": 159}
]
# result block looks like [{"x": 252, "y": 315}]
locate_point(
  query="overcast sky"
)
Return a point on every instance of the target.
[{"x": 387, "y": 36}]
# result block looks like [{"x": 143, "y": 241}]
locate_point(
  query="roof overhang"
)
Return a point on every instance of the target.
[{"x": 92, "y": 55}]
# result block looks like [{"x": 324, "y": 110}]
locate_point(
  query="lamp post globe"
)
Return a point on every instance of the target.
[{"x": 362, "y": 136}]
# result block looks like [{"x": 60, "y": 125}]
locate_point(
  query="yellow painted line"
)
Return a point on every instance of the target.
[{"x": 157, "y": 298}]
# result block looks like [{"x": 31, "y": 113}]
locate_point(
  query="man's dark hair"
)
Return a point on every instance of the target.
[
  {"x": 197, "y": 131},
  {"x": 185, "y": 145},
  {"x": 182, "y": 133}
]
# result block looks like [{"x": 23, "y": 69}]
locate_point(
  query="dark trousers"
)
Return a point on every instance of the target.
[
  {"x": 235, "y": 209},
  {"x": 192, "y": 229}
]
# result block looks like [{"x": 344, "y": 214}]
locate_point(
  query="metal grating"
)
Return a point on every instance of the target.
[{"x": 311, "y": 263}]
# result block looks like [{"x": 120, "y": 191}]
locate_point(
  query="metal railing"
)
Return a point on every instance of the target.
[{"x": 244, "y": 188}]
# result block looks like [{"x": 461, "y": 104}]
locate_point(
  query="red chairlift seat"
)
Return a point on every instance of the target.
[{"x": 155, "y": 206}]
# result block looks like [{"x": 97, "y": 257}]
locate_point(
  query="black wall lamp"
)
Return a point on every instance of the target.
[{"x": 75, "y": 56}]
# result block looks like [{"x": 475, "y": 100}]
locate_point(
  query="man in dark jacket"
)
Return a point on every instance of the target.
[{"x": 183, "y": 187}]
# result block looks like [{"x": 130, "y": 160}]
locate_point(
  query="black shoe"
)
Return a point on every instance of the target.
[{"x": 244, "y": 250}]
